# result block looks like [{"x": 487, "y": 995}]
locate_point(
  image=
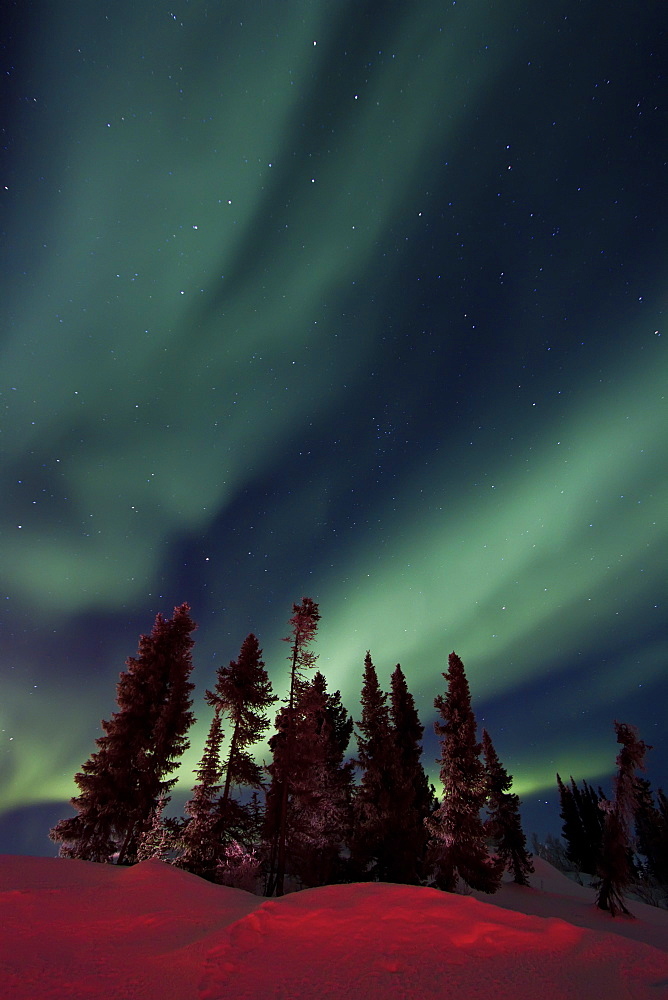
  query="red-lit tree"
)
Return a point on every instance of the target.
[
  {"x": 320, "y": 787},
  {"x": 243, "y": 692},
  {"x": 304, "y": 626},
  {"x": 615, "y": 867},
  {"x": 414, "y": 799},
  {"x": 217, "y": 818},
  {"x": 201, "y": 846},
  {"x": 372, "y": 845},
  {"x": 458, "y": 845},
  {"x": 122, "y": 783}
]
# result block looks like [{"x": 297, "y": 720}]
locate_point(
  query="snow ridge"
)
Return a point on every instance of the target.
[{"x": 74, "y": 930}]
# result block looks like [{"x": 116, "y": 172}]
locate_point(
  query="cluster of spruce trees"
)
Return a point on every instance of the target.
[
  {"x": 311, "y": 815},
  {"x": 624, "y": 841}
]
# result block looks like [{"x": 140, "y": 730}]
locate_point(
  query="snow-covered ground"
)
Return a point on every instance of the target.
[{"x": 74, "y": 930}]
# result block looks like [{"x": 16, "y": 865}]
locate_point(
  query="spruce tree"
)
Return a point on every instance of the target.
[
  {"x": 304, "y": 626},
  {"x": 504, "y": 825},
  {"x": 308, "y": 750},
  {"x": 583, "y": 824},
  {"x": 662, "y": 800},
  {"x": 218, "y": 818},
  {"x": 320, "y": 786},
  {"x": 458, "y": 847},
  {"x": 616, "y": 868},
  {"x": 372, "y": 846},
  {"x": 156, "y": 843},
  {"x": 662, "y": 806},
  {"x": 572, "y": 831},
  {"x": 651, "y": 832},
  {"x": 201, "y": 843},
  {"x": 589, "y": 804},
  {"x": 243, "y": 692},
  {"x": 338, "y": 715},
  {"x": 413, "y": 796},
  {"x": 278, "y": 770},
  {"x": 122, "y": 782}
]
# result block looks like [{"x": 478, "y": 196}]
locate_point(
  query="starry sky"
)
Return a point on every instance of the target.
[{"x": 359, "y": 301}]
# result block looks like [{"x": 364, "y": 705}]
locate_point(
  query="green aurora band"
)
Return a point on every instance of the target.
[{"x": 184, "y": 309}]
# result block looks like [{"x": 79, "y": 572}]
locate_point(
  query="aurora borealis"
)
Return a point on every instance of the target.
[{"x": 357, "y": 301}]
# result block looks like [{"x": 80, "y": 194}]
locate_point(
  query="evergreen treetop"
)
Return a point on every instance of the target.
[
  {"x": 458, "y": 846},
  {"x": 615, "y": 867},
  {"x": 122, "y": 783},
  {"x": 414, "y": 799},
  {"x": 243, "y": 692},
  {"x": 304, "y": 626},
  {"x": 504, "y": 825},
  {"x": 374, "y": 799}
]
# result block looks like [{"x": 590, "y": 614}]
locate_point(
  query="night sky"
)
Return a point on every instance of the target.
[{"x": 349, "y": 300}]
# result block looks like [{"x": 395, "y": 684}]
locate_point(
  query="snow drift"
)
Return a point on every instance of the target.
[{"x": 75, "y": 930}]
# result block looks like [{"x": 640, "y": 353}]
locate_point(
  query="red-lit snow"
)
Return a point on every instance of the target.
[{"x": 73, "y": 930}]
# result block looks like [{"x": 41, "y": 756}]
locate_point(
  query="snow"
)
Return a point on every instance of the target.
[{"x": 74, "y": 929}]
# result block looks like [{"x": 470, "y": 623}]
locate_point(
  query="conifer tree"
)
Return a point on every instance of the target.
[
  {"x": 588, "y": 801},
  {"x": 239, "y": 867},
  {"x": 200, "y": 838},
  {"x": 583, "y": 824},
  {"x": 662, "y": 859},
  {"x": 279, "y": 773},
  {"x": 662, "y": 800},
  {"x": 458, "y": 845},
  {"x": 217, "y": 818},
  {"x": 321, "y": 783},
  {"x": 374, "y": 800},
  {"x": 651, "y": 832},
  {"x": 256, "y": 810},
  {"x": 413, "y": 796},
  {"x": 615, "y": 868},
  {"x": 572, "y": 824},
  {"x": 156, "y": 843},
  {"x": 504, "y": 825},
  {"x": 243, "y": 692},
  {"x": 304, "y": 626},
  {"x": 122, "y": 782},
  {"x": 338, "y": 715}
]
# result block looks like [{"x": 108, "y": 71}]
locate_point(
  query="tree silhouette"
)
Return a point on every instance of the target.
[
  {"x": 304, "y": 626},
  {"x": 615, "y": 867},
  {"x": 200, "y": 837},
  {"x": 413, "y": 796},
  {"x": 122, "y": 783},
  {"x": 320, "y": 785},
  {"x": 583, "y": 824},
  {"x": 374, "y": 800},
  {"x": 651, "y": 832},
  {"x": 217, "y": 818},
  {"x": 458, "y": 845},
  {"x": 243, "y": 692},
  {"x": 504, "y": 825}
]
